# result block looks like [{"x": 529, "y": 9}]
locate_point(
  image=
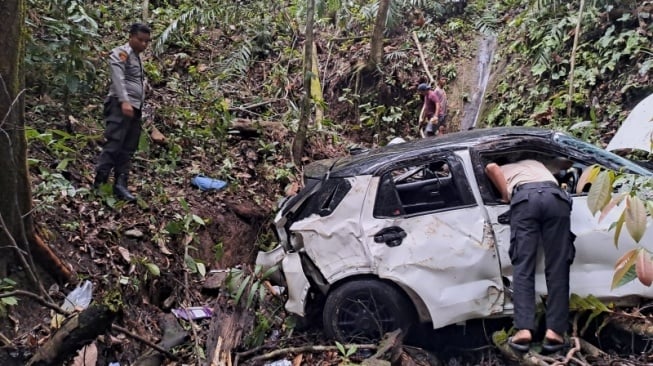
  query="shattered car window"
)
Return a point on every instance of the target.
[
  {"x": 326, "y": 199},
  {"x": 416, "y": 189},
  {"x": 615, "y": 161}
]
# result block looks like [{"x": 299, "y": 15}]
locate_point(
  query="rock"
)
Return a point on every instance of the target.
[{"x": 134, "y": 233}]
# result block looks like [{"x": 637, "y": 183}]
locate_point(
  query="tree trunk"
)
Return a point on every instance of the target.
[
  {"x": 226, "y": 332},
  {"x": 16, "y": 228},
  {"x": 15, "y": 204},
  {"x": 376, "y": 45},
  {"x": 300, "y": 137}
]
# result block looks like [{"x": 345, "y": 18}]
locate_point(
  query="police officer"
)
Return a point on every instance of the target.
[
  {"x": 122, "y": 112},
  {"x": 540, "y": 214}
]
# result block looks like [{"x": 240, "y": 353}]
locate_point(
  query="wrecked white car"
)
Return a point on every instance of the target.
[{"x": 412, "y": 233}]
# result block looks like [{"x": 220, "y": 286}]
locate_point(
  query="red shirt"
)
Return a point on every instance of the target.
[{"x": 430, "y": 99}]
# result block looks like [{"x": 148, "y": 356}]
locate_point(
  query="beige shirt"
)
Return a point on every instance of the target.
[
  {"x": 526, "y": 171},
  {"x": 126, "y": 76}
]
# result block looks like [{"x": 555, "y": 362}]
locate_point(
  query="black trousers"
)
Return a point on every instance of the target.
[
  {"x": 122, "y": 134},
  {"x": 540, "y": 214}
]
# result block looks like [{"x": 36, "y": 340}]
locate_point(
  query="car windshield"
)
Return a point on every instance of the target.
[{"x": 615, "y": 160}]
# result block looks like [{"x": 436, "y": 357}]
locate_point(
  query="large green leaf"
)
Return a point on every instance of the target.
[
  {"x": 601, "y": 192},
  {"x": 625, "y": 269},
  {"x": 635, "y": 217}
]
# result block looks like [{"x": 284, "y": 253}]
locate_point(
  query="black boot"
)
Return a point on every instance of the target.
[
  {"x": 120, "y": 189},
  {"x": 101, "y": 177}
]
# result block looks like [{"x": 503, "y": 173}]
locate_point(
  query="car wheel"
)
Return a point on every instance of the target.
[{"x": 362, "y": 311}]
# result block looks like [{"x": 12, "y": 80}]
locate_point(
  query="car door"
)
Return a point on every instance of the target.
[
  {"x": 426, "y": 232},
  {"x": 593, "y": 267}
]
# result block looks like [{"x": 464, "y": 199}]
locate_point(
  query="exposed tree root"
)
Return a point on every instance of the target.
[
  {"x": 50, "y": 261},
  {"x": 640, "y": 325}
]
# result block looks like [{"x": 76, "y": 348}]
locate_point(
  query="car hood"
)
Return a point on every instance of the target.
[{"x": 636, "y": 131}]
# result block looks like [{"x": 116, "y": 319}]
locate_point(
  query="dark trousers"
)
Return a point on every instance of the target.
[
  {"x": 540, "y": 213},
  {"x": 122, "y": 135}
]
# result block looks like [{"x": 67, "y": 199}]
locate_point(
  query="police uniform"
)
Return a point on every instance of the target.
[
  {"x": 540, "y": 213},
  {"x": 122, "y": 133}
]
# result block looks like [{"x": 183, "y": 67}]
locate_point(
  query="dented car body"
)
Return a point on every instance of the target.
[{"x": 412, "y": 232}]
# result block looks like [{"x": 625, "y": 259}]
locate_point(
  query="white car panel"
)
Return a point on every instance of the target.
[
  {"x": 446, "y": 258},
  {"x": 334, "y": 242}
]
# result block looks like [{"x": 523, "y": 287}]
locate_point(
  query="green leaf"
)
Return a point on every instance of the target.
[
  {"x": 11, "y": 301},
  {"x": 198, "y": 220},
  {"x": 269, "y": 272},
  {"x": 201, "y": 268},
  {"x": 351, "y": 350},
  {"x": 175, "y": 227},
  {"x": 340, "y": 348},
  {"x": 252, "y": 293},
  {"x": 625, "y": 269},
  {"x": 153, "y": 268},
  {"x": 190, "y": 263},
  {"x": 628, "y": 277},
  {"x": 241, "y": 289},
  {"x": 600, "y": 193},
  {"x": 635, "y": 217}
]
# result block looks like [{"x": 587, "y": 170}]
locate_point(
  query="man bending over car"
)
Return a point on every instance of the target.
[{"x": 539, "y": 214}]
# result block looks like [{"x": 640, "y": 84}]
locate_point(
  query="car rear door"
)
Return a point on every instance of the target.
[
  {"x": 593, "y": 267},
  {"x": 426, "y": 232}
]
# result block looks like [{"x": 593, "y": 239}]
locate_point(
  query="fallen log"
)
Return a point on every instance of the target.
[
  {"x": 253, "y": 128},
  {"x": 76, "y": 332}
]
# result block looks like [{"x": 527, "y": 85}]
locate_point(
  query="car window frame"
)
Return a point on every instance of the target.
[
  {"x": 548, "y": 146},
  {"x": 457, "y": 174}
]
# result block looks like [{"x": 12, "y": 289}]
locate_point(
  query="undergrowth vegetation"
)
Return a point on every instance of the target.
[
  {"x": 613, "y": 60},
  {"x": 214, "y": 64}
]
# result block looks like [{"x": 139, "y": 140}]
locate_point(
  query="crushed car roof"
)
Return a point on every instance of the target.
[{"x": 369, "y": 162}]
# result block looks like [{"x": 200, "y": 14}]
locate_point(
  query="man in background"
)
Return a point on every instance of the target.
[
  {"x": 441, "y": 107},
  {"x": 429, "y": 108},
  {"x": 122, "y": 112}
]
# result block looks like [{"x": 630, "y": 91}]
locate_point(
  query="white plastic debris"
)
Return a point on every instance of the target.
[
  {"x": 279, "y": 363},
  {"x": 79, "y": 298}
]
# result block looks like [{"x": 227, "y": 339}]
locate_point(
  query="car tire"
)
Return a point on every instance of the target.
[{"x": 363, "y": 310}]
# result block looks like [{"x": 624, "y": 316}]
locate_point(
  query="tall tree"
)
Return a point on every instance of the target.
[
  {"x": 376, "y": 45},
  {"x": 17, "y": 234},
  {"x": 305, "y": 114},
  {"x": 14, "y": 184}
]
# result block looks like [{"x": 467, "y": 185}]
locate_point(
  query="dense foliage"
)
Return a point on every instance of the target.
[
  {"x": 216, "y": 63},
  {"x": 613, "y": 64}
]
